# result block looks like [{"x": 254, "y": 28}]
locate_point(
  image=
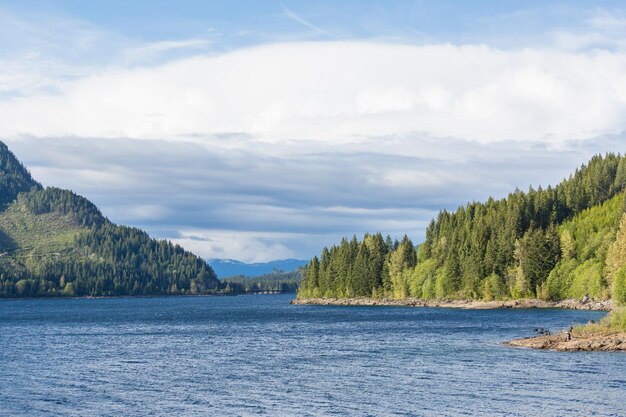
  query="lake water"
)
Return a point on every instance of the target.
[{"x": 258, "y": 355}]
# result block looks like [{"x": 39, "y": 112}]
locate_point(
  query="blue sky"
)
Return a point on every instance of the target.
[
  {"x": 260, "y": 130},
  {"x": 155, "y": 20}
]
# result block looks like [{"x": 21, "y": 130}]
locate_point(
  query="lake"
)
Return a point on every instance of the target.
[{"x": 258, "y": 355}]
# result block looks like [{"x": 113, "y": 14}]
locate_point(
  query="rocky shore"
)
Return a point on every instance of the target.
[
  {"x": 577, "y": 341},
  {"x": 615, "y": 342},
  {"x": 468, "y": 304}
]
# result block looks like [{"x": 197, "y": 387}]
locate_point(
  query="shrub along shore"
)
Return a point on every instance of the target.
[{"x": 607, "y": 335}]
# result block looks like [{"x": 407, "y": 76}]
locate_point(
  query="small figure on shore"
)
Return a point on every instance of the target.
[
  {"x": 568, "y": 334},
  {"x": 591, "y": 322},
  {"x": 585, "y": 299}
]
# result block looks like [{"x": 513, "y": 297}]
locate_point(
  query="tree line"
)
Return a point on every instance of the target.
[
  {"x": 110, "y": 260},
  {"x": 276, "y": 281},
  {"x": 506, "y": 248}
]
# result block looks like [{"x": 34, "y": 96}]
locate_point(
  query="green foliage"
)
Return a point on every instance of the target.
[
  {"x": 63, "y": 202},
  {"x": 428, "y": 289},
  {"x": 619, "y": 287},
  {"x": 560, "y": 280},
  {"x": 538, "y": 254},
  {"x": 616, "y": 255},
  {"x": 368, "y": 268},
  {"x": 587, "y": 236},
  {"x": 423, "y": 272},
  {"x": 68, "y": 289},
  {"x": 550, "y": 243},
  {"x": 97, "y": 261},
  {"x": 568, "y": 250},
  {"x": 588, "y": 281},
  {"x": 40, "y": 236},
  {"x": 443, "y": 282},
  {"x": 614, "y": 322},
  {"x": 493, "y": 288},
  {"x": 593, "y": 229},
  {"x": 402, "y": 258}
]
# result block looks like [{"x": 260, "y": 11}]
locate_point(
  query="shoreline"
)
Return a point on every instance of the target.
[
  {"x": 570, "y": 304},
  {"x": 601, "y": 342},
  {"x": 612, "y": 342},
  {"x": 100, "y": 297}
]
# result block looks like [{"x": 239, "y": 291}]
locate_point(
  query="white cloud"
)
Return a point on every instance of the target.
[
  {"x": 140, "y": 212},
  {"x": 273, "y": 151},
  {"x": 276, "y": 200},
  {"x": 416, "y": 177},
  {"x": 244, "y": 246},
  {"x": 331, "y": 91},
  {"x": 84, "y": 177}
]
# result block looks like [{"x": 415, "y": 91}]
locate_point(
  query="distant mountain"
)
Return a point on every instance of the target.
[
  {"x": 54, "y": 242},
  {"x": 282, "y": 282},
  {"x": 230, "y": 267}
]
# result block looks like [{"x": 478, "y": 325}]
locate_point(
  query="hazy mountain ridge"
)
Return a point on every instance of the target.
[{"x": 225, "y": 268}]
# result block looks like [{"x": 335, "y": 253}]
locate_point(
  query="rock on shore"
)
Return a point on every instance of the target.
[
  {"x": 601, "y": 342},
  {"x": 469, "y": 304}
]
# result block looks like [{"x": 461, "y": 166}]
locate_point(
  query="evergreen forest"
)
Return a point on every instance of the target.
[
  {"x": 552, "y": 243},
  {"x": 56, "y": 243},
  {"x": 276, "y": 281}
]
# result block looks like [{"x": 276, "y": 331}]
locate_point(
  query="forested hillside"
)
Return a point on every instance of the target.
[
  {"x": 54, "y": 242},
  {"x": 552, "y": 243},
  {"x": 277, "y": 281}
]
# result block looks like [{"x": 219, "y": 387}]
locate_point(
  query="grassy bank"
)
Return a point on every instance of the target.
[
  {"x": 609, "y": 334},
  {"x": 614, "y": 322}
]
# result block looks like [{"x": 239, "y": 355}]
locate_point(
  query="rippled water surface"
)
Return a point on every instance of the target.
[{"x": 258, "y": 355}]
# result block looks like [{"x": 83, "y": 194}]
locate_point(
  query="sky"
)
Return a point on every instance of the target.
[{"x": 263, "y": 130}]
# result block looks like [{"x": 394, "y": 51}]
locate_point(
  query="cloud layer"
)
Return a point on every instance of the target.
[
  {"x": 259, "y": 201},
  {"x": 262, "y": 144},
  {"x": 332, "y": 91}
]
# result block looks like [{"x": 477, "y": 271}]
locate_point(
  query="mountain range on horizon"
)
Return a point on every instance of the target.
[{"x": 225, "y": 268}]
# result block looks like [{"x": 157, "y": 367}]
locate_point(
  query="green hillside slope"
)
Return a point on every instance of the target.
[
  {"x": 552, "y": 243},
  {"x": 54, "y": 242},
  {"x": 584, "y": 242}
]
